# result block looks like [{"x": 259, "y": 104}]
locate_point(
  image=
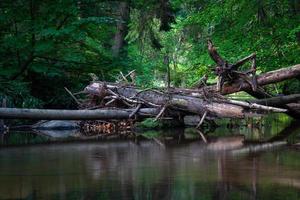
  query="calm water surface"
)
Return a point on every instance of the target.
[{"x": 150, "y": 169}]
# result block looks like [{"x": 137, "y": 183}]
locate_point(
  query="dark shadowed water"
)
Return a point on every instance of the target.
[
  {"x": 126, "y": 170},
  {"x": 157, "y": 168}
]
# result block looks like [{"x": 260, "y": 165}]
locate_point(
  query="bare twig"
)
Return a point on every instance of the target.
[
  {"x": 81, "y": 92},
  {"x": 135, "y": 110},
  {"x": 122, "y": 97},
  {"x": 161, "y": 112},
  {"x": 256, "y": 106},
  {"x": 93, "y": 108},
  {"x": 244, "y": 60},
  {"x": 70, "y": 93},
  {"x": 126, "y": 103},
  {"x": 202, "y": 119},
  {"x": 129, "y": 73},
  {"x": 148, "y": 89},
  {"x": 148, "y": 102},
  {"x": 110, "y": 102},
  {"x": 124, "y": 78}
]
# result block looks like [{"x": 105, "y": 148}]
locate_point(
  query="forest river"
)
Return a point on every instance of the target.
[{"x": 174, "y": 165}]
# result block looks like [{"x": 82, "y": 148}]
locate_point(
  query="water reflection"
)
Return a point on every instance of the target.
[
  {"x": 173, "y": 164},
  {"x": 126, "y": 170}
]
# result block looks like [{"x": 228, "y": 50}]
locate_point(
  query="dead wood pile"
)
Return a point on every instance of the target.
[{"x": 206, "y": 101}]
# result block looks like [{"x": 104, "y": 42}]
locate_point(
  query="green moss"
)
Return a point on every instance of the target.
[{"x": 149, "y": 123}]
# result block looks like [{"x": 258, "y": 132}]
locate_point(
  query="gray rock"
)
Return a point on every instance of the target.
[
  {"x": 191, "y": 120},
  {"x": 56, "y": 125},
  {"x": 71, "y": 133}
]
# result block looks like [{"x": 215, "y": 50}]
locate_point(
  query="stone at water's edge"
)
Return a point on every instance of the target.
[
  {"x": 57, "y": 134},
  {"x": 56, "y": 125},
  {"x": 191, "y": 120}
]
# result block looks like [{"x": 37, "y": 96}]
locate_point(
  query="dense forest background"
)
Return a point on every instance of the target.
[{"x": 51, "y": 44}]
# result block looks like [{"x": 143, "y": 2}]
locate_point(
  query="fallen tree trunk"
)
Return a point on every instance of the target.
[
  {"x": 205, "y": 100},
  {"x": 278, "y": 101},
  {"x": 172, "y": 100},
  {"x": 145, "y": 103},
  {"x": 275, "y": 76},
  {"x": 19, "y": 113},
  {"x": 289, "y": 102},
  {"x": 191, "y": 101},
  {"x": 214, "y": 106}
]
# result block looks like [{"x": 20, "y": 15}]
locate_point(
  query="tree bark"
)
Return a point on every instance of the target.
[
  {"x": 263, "y": 79},
  {"x": 197, "y": 101},
  {"x": 174, "y": 101},
  {"x": 119, "y": 38},
  {"x": 19, "y": 113},
  {"x": 278, "y": 101},
  {"x": 241, "y": 85}
]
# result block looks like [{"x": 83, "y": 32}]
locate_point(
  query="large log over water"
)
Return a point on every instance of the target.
[
  {"x": 179, "y": 102},
  {"x": 18, "y": 113},
  {"x": 214, "y": 107}
]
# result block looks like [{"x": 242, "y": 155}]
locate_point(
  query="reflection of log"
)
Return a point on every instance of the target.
[
  {"x": 258, "y": 147},
  {"x": 293, "y": 128},
  {"x": 226, "y": 143}
]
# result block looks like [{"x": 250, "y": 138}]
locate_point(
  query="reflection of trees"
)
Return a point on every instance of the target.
[
  {"x": 229, "y": 179},
  {"x": 124, "y": 169},
  {"x": 255, "y": 176}
]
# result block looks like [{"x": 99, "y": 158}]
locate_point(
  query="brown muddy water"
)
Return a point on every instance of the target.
[{"x": 155, "y": 166}]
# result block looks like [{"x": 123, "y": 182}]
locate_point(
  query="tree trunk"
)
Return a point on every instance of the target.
[
  {"x": 278, "y": 101},
  {"x": 174, "y": 101},
  {"x": 122, "y": 29},
  {"x": 19, "y": 113}
]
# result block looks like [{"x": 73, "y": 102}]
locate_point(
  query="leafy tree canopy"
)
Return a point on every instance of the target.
[{"x": 51, "y": 44}]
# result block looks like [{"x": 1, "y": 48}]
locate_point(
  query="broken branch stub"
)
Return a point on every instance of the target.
[{"x": 228, "y": 72}]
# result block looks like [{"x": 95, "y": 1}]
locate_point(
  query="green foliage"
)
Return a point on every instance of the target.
[
  {"x": 46, "y": 45},
  {"x": 18, "y": 94},
  {"x": 149, "y": 123},
  {"x": 238, "y": 28}
]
